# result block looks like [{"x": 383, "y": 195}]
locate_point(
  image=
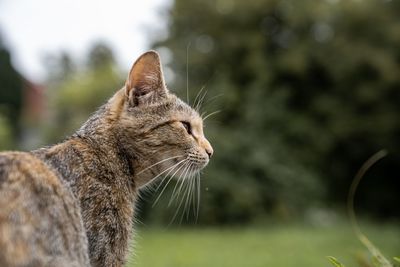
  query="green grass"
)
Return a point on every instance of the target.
[{"x": 273, "y": 246}]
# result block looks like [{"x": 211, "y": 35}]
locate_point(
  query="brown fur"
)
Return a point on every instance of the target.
[
  {"x": 74, "y": 202},
  {"x": 40, "y": 221}
]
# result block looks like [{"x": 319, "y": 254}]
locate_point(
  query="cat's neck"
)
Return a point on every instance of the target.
[{"x": 80, "y": 158}]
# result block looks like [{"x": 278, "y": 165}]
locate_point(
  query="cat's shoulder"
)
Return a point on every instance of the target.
[
  {"x": 37, "y": 210},
  {"x": 21, "y": 167}
]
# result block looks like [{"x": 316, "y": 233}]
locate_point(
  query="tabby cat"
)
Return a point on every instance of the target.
[{"x": 72, "y": 204}]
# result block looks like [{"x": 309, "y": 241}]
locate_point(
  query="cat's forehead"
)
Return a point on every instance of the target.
[{"x": 183, "y": 109}]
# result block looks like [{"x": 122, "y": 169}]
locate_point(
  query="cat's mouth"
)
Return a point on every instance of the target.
[
  {"x": 187, "y": 167},
  {"x": 183, "y": 167},
  {"x": 199, "y": 164}
]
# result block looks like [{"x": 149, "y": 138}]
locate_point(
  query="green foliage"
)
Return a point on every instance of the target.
[
  {"x": 309, "y": 90},
  {"x": 81, "y": 92},
  {"x": 335, "y": 262},
  {"x": 377, "y": 262},
  {"x": 6, "y": 138},
  {"x": 11, "y": 91},
  {"x": 378, "y": 259}
]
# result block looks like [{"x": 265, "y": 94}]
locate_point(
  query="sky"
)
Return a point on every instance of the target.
[{"x": 32, "y": 29}]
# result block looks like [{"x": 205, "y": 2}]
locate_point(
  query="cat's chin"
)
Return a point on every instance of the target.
[
  {"x": 201, "y": 165},
  {"x": 190, "y": 171},
  {"x": 188, "y": 167}
]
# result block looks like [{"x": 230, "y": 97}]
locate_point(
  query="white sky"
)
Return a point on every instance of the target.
[{"x": 33, "y": 28}]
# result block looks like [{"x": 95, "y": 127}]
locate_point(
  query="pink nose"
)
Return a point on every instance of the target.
[
  {"x": 207, "y": 147},
  {"x": 209, "y": 152}
]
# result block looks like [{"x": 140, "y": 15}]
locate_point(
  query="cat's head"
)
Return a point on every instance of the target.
[{"x": 163, "y": 134}]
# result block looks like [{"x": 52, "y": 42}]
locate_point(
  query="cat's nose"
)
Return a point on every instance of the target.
[
  {"x": 207, "y": 147},
  {"x": 209, "y": 152}
]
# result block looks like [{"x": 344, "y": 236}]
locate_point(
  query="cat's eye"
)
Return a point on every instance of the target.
[{"x": 187, "y": 126}]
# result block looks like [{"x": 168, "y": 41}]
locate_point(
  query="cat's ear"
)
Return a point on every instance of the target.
[{"x": 145, "y": 81}]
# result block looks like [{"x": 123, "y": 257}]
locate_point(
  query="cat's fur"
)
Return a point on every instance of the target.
[{"x": 72, "y": 204}]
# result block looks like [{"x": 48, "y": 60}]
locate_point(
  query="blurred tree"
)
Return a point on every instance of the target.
[
  {"x": 59, "y": 67},
  {"x": 6, "y": 138},
  {"x": 75, "y": 96},
  {"x": 310, "y": 89},
  {"x": 11, "y": 91},
  {"x": 100, "y": 55}
]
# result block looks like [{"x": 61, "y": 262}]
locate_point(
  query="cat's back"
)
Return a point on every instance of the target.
[{"x": 40, "y": 221}]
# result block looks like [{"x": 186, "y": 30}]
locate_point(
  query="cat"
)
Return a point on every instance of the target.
[{"x": 72, "y": 204}]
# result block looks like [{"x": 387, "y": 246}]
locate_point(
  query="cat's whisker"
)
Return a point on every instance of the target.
[
  {"x": 193, "y": 198},
  {"x": 167, "y": 175},
  {"x": 206, "y": 113},
  {"x": 198, "y": 196},
  {"x": 211, "y": 99},
  {"x": 187, "y": 193},
  {"x": 169, "y": 169},
  {"x": 179, "y": 181},
  {"x": 200, "y": 103},
  {"x": 194, "y": 194},
  {"x": 211, "y": 114},
  {"x": 177, "y": 211},
  {"x": 184, "y": 200},
  {"x": 197, "y": 96},
  {"x": 183, "y": 197},
  {"x": 172, "y": 176},
  {"x": 186, "y": 208},
  {"x": 208, "y": 102},
  {"x": 188, "y": 189},
  {"x": 165, "y": 186},
  {"x": 184, "y": 180},
  {"x": 159, "y": 162},
  {"x": 187, "y": 73},
  {"x": 199, "y": 93}
]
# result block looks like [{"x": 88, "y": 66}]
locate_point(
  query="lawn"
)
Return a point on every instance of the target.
[{"x": 276, "y": 246}]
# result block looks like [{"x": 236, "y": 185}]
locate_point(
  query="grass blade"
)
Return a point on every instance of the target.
[{"x": 335, "y": 262}]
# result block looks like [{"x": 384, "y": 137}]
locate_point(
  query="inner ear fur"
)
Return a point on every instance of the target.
[{"x": 145, "y": 78}]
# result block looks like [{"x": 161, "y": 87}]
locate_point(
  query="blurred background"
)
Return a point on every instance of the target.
[{"x": 307, "y": 92}]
